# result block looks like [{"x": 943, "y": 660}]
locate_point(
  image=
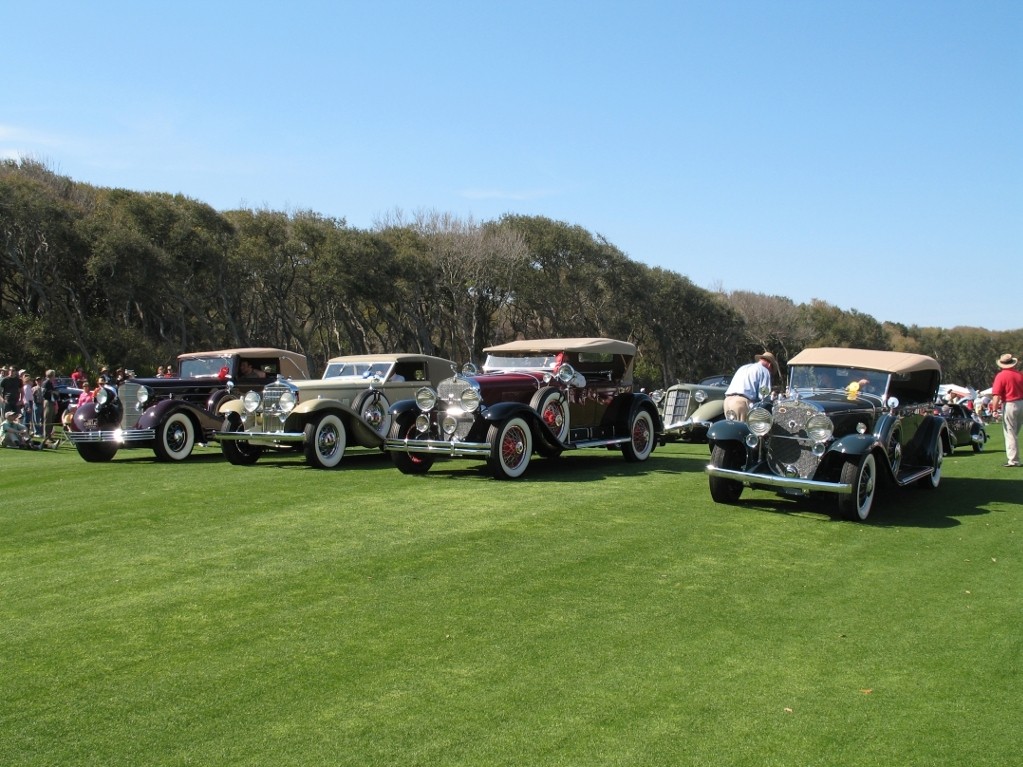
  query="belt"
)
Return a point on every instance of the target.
[{"x": 736, "y": 394}]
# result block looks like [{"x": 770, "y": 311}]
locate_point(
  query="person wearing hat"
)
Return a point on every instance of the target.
[
  {"x": 15, "y": 434},
  {"x": 749, "y": 384},
  {"x": 1007, "y": 391}
]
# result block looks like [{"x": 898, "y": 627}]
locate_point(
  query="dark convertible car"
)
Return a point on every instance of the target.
[{"x": 849, "y": 419}]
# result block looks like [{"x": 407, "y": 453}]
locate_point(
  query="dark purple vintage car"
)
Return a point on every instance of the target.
[
  {"x": 547, "y": 396},
  {"x": 170, "y": 415}
]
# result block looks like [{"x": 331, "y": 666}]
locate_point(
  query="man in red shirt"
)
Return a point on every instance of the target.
[{"x": 1007, "y": 391}]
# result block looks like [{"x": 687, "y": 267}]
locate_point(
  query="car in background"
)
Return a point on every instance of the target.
[
  {"x": 172, "y": 415},
  {"x": 688, "y": 410},
  {"x": 965, "y": 427},
  {"x": 545, "y": 396},
  {"x": 67, "y": 394},
  {"x": 347, "y": 406},
  {"x": 849, "y": 419}
]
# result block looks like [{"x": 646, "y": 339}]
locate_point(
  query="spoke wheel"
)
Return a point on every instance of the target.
[
  {"x": 551, "y": 405},
  {"x": 511, "y": 445},
  {"x": 238, "y": 451},
  {"x": 862, "y": 475},
  {"x": 641, "y": 433},
  {"x": 324, "y": 443},
  {"x": 895, "y": 451},
  {"x": 372, "y": 407},
  {"x": 175, "y": 438},
  {"x": 932, "y": 481},
  {"x": 404, "y": 427}
]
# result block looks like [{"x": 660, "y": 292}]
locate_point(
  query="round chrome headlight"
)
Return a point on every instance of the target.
[
  {"x": 820, "y": 428},
  {"x": 657, "y": 395},
  {"x": 422, "y": 423},
  {"x": 251, "y": 400},
  {"x": 700, "y": 396},
  {"x": 470, "y": 400},
  {"x": 449, "y": 424},
  {"x": 103, "y": 395},
  {"x": 287, "y": 401},
  {"x": 143, "y": 395},
  {"x": 426, "y": 398},
  {"x": 759, "y": 421}
]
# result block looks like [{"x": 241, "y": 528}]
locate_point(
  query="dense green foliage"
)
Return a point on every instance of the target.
[
  {"x": 597, "y": 612},
  {"x": 98, "y": 276}
]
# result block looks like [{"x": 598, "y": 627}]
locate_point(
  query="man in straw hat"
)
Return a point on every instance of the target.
[
  {"x": 749, "y": 384},
  {"x": 1007, "y": 391}
]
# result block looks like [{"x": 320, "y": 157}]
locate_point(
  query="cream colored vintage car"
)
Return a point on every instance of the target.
[{"x": 348, "y": 406}]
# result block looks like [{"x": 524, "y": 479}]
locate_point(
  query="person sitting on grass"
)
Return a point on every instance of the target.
[{"x": 15, "y": 434}]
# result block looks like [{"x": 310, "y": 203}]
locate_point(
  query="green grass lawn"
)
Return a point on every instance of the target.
[{"x": 595, "y": 612}]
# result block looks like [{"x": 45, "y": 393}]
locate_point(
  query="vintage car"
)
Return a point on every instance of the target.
[
  {"x": 547, "y": 395},
  {"x": 171, "y": 415},
  {"x": 965, "y": 427},
  {"x": 67, "y": 394},
  {"x": 688, "y": 410},
  {"x": 850, "y": 418},
  {"x": 348, "y": 406}
]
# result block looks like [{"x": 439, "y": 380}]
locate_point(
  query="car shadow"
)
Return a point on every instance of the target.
[
  {"x": 913, "y": 506},
  {"x": 570, "y": 467}
]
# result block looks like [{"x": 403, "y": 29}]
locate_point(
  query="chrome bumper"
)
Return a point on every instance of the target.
[
  {"x": 751, "y": 479},
  {"x": 119, "y": 436},
  {"x": 454, "y": 448},
  {"x": 686, "y": 425}
]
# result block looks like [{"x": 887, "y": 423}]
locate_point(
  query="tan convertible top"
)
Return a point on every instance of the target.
[
  {"x": 888, "y": 362},
  {"x": 604, "y": 345},
  {"x": 293, "y": 364}
]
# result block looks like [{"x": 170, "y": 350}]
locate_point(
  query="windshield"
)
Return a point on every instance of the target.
[
  {"x": 533, "y": 362},
  {"x": 830, "y": 378},
  {"x": 357, "y": 370},
  {"x": 204, "y": 367}
]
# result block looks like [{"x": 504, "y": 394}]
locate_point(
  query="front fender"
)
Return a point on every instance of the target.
[
  {"x": 854, "y": 444},
  {"x": 710, "y": 411},
  {"x": 504, "y": 410},
  {"x": 403, "y": 406},
  {"x": 154, "y": 416},
  {"x": 93, "y": 417},
  {"x": 320, "y": 404},
  {"x": 728, "y": 431},
  {"x": 231, "y": 406}
]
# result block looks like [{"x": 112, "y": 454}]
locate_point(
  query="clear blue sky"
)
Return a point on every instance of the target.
[{"x": 869, "y": 154}]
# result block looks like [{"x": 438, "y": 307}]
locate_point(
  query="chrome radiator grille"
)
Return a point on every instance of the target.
[
  {"x": 266, "y": 418},
  {"x": 676, "y": 405},
  {"x": 271, "y": 396},
  {"x": 788, "y": 448},
  {"x": 450, "y": 390},
  {"x": 127, "y": 393}
]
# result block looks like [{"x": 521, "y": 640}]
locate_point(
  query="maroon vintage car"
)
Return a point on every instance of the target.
[
  {"x": 170, "y": 415},
  {"x": 547, "y": 395}
]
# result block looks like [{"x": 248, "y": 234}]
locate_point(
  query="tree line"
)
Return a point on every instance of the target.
[{"x": 96, "y": 276}]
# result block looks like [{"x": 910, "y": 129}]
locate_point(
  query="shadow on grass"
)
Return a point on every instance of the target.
[{"x": 913, "y": 506}]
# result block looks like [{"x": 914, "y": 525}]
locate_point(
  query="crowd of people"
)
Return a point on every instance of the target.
[{"x": 30, "y": 407}]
